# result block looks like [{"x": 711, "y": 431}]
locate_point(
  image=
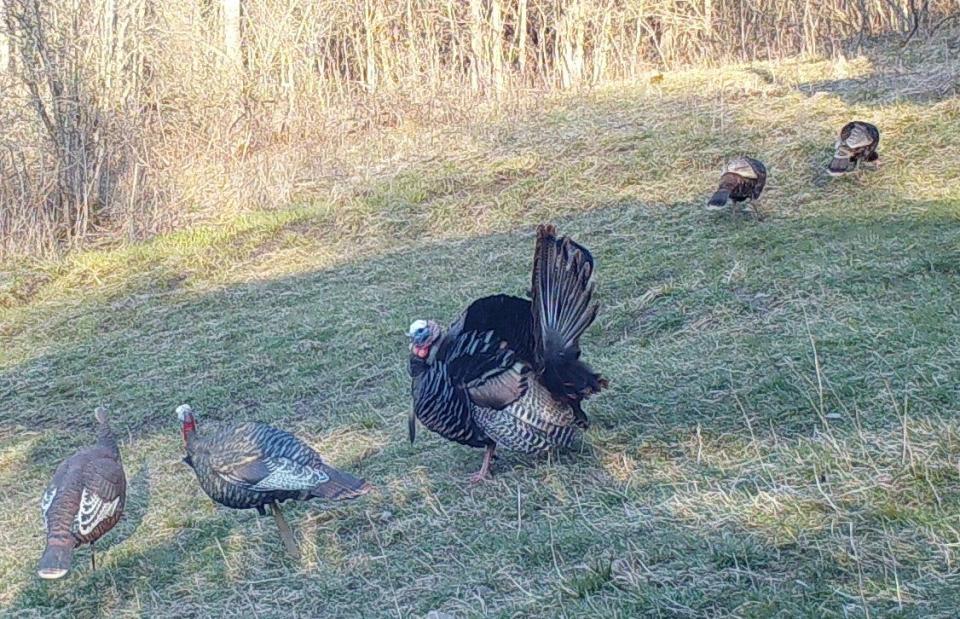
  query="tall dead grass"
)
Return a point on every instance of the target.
[{"x": 133, "y": 116}]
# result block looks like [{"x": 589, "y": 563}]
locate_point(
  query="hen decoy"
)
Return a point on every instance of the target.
[
  {"x": 508, "y": 371},
  {"x": 858, "y": 143},
  {"x": 84, "y": 500},
  {"x": 743, "y": 178},
  {"x": 253, "y": 465}
]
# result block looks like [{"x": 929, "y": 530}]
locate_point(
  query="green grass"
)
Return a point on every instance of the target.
[{"x": 782, "y": 432}]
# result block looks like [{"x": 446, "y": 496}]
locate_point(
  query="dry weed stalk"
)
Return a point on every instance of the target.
[{"x": 134, "y": 115}]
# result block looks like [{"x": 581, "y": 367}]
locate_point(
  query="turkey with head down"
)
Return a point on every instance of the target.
[
  {"x": 508, "y": 371},
  {"x": 253, "y": 465},
  {"x": 857, "y": 144},
  {"x": 742, "y": 179}
]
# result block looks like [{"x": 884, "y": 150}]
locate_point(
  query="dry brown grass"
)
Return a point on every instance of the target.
[{"x": 129, "y": 117}]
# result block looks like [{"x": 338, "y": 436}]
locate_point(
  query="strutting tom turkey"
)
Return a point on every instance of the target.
[
  {"x": 253, "y": 465},
  {"x": 858, "y": 143},
  {"x": 84, "y": 500},
  {"x": 508, "y": 371},
  {"x": 742, "y": 179}
]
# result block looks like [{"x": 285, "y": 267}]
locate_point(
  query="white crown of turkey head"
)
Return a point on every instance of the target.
[
  {"x": 415, "y": 326},
  {"x": 100, "y": 413},
  {"x": 182, "y": 411}
]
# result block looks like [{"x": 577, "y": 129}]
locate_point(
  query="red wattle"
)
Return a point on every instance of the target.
[{"x": 188, "y": 428}]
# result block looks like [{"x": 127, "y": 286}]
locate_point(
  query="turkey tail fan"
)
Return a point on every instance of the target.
[
  {"x": 56, "y": 559},
  {"x": 340, "y": 486},
  {"x": 719, "y": 199},
  {"x": 563, "y": 308},
  {"x": 840, "y": 165},
  {"x": 562, "y": 293}
]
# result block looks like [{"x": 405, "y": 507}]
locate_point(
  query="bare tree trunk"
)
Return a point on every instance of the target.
[
  {"x": 478, "y": 69},
  {"x": 496, "y": 45},
  {"x": 231, "y": 33},
  {"x": 522, "y": 38},
  {"x": 369, "y": 45},
  {"x": 4, "y": 41}
]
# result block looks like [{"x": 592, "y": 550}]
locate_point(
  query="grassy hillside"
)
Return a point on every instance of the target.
[{"x": 782, "y": 432}]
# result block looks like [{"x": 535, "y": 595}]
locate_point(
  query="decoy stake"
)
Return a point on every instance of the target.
[{"x": 285, "y": 533}]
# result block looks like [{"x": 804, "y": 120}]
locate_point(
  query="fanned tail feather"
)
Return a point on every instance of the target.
[
  {"x": 719, "y": 199},
  {"x": 340, "y": 486},
  {"x": 840, "y": 165},
  {"x": 563, "y": 308},
  {"x": 56, "y": 559}
]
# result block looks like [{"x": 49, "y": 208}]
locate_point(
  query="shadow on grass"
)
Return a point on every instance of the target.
[
  {"x": 136, "y": 508},
  {"x": 327, "y": 349},
  {"x": 707, "y": 322},
  {"x": 123, "y": 577},
  {"x": 883, "y": 89}
]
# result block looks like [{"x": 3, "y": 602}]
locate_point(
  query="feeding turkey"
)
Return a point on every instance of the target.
[
  {"x": 742, "y": 179},
  {"x": 253, "y": 466},
  {"x": 508, "y": 371},
  {"x": 84, "y": 500},
  {"x": 857, "y": 144}
]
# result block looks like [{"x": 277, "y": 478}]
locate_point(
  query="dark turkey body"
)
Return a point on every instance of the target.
[
  {"x": 740, "y": 188},
  {"x": 533, "y": 424},
  {"x": 247, "y": 444},
  {"x": 508, "y": 371},
  {"x": 452, "y": 419},
  {"x": 743, "y": 178},
  {"x": 858, "y": 142}
]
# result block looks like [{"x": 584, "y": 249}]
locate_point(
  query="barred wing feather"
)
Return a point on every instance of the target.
[
  {"x": 45, "y": 502},
  {"x": 486, "y": 368},
  {"x": 741, "y": 167},
  {"x": 94, "y": 509},
  {"x": 272, "y": 474}
]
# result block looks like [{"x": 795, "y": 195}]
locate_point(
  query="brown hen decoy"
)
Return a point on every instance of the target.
[{"x": 84, "y": 500}]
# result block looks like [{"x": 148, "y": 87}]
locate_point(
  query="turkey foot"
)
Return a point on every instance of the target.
[
  {"x": 484, "y": 472},
  {"x": 757, "y": 213},
  {"x": 285, "y": 533}
]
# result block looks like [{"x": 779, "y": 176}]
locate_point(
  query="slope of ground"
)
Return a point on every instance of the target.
[{"x": 782, "y": 432}]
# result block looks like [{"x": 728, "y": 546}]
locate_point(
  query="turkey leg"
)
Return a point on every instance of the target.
[
  {"x": 285, "y": 533},
  {"x": 484, "y": 472},
  {"x": 93, "y": 557}
]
